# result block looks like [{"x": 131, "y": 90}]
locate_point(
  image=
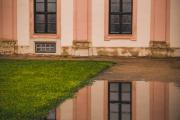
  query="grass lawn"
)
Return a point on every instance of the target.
[{"x": 30, "y": 88}]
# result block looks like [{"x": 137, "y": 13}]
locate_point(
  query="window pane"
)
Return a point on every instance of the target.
[
  {"x": 125, "y": 116},
  {"x": 40, "y": 28},
  {"x": 126, "y": 97},
  {"x": 115, "y": 19},
  {"x": 51, "y": 28},
  {"x": 51, "y": 115},
  {"x": 40, "y": 18},
  {"x": 114, "y": 29},
  {"x": 114, "y": 116},
  {"x": 51, "y": 0},
  {"x": 126, "y": 28},
  {"x": 126, "y": 19},
  {"x": 127, "y": 6},
  {"x": 125, "y": 108},
  {"x": 39, "y": 0},
  {"x": 51, "y": 7},
  {"x": 114, "y": 107},
  {"x": 114, "y": 96},
  {"x": 115, "y": 5},
  {"x": 40, "y": 7},
  {"x": 114, "y": 87},
  {"x": 115, "y": 24},
  {"x": 51, "y": 18},
  {"x": 125, "y": 87}
]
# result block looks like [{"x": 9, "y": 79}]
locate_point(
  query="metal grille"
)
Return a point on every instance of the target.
[{"x": 47, "y": 47}]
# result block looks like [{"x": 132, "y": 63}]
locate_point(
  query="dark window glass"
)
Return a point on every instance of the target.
[
  {"x": 51, "y": 115},
  {"x": 120, "y": 17},
  {"x": 45, "y": 16},
  {"x": 40, "y": 18},
  {"x": 40, "y": 7},
  {"x": 51, "y": 18},
  {"x": 40, "y": 28},
  {"x": 119, "y": 102},
  {"x": 51, "y": 7},
  {"x": 52, "y": 28}
]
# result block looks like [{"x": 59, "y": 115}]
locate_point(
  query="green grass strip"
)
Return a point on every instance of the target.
[{"x": 30, "y": 88}]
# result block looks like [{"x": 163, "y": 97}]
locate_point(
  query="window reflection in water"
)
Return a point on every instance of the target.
[{"x": 118, "y": 100}]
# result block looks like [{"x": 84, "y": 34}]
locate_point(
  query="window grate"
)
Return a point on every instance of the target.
[{"x": 47, "y": 47}]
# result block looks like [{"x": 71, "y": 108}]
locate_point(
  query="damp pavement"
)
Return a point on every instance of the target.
[{"x": 143, "y": 69}]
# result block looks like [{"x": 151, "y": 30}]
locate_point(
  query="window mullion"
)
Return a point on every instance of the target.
[
  {"x": 120, "y": 17},
  {"x": 35, "y": 15},
  {"x": 110, "y": 16},
  {"x": 131, "y": 101},
  {"x": 132, "y": 15},
  {"x": 46, "y": 17},
  {"x": 120, "y": 101},
  {"x": 108, "y": 101}
]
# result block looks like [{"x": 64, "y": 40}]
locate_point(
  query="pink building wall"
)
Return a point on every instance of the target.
[
  {"x": 159, "y": 101},
  {"x": 8, "y": 22},
  {"x": 81, "y": 28},
  {"x": 160, "y": 20},
  {"x": 82, "y": 105},
  {"x": 82, "y": 20}
]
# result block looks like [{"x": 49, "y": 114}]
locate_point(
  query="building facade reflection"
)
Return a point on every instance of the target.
[{"x": 122, "y": 100}]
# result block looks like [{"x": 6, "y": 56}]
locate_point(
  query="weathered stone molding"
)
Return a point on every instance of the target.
[
  {"x": 122, "y": 52},
  {"x": 8, "y": 47},
  {"x": 159, "y": 44},
  {"x": 87, "y": 51}
]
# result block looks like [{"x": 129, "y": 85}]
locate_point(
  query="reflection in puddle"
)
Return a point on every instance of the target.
[{"x": 118, "y": 100}]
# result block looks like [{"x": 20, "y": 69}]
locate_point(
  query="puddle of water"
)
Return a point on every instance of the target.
[{"x": 119, "y": 100}]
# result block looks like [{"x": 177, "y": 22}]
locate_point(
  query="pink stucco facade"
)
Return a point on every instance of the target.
[
  {"x": 8, "y": 20},
  {"x": 82, "y": 28}
]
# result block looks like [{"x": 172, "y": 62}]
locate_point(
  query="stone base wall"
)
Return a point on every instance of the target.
[
  {"x": 7, "y": 47},
  {"x": 122, "y": 52},
  {"x": 156, "y": 49}
]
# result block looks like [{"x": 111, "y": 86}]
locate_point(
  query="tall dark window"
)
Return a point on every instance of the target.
[
  {"x": 120, "y": 16},
  {"x": 45, "y": 16},
  {"x": 119, "y": 102}
]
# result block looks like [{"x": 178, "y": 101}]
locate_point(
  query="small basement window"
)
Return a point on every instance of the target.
[{"x": 45, "y": 47}]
